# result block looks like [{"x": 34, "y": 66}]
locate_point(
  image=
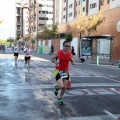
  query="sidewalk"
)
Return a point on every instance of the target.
[{"x": 89, "y": 60}]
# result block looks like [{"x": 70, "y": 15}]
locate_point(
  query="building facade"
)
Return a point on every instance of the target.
[
  {"x": 40, "y": 14},
  {"x": 21, "y": 19},
  {"x": 57, "y": 14},
  {"x": 110, "y": 27}
]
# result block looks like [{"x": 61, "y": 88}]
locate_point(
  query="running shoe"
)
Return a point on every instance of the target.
[
  {"x": 56, "y": 90},
  {"x": 60, "y": 101}
]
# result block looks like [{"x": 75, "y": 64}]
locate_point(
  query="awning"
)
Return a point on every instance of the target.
[{"x": 99, "y": 37}]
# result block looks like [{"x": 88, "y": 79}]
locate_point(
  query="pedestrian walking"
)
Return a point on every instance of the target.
[
  {"x": 52, "y": 49},
  {"x": 62, "y": 72},
  {"x": 28, "y": 53},
  {"x": 72, "y": 51},
  {"x": 16, "y": 53}
]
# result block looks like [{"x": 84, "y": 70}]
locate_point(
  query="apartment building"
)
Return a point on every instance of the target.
[
  {"x": 21, "y": 19},
  {"x": 110, "y": 27},
  {"x": 57, "y": 14},
  {"x": 40, "y": 14}
]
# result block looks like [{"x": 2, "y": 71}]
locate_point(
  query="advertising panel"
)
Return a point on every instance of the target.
[{"x": 86, "y": 47}]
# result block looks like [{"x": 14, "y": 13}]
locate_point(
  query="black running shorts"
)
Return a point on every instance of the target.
[
  {"x": 27, "y": 58},
  {"x": 16, "y": 54},
  {"x": 58, "y": 77}
]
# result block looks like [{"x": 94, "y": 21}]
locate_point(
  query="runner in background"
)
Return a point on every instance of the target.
[
  {"x": 28, "y": 53},
  {"x": 16, "y": 53}
]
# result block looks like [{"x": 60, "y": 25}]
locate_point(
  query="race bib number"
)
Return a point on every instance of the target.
[{"x": 63, "y": 74}]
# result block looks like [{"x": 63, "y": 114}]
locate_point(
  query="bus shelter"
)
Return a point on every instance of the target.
[{"x": 97, "y": 46}]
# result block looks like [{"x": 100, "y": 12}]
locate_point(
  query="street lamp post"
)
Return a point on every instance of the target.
[{"x": 37, "y": 29}]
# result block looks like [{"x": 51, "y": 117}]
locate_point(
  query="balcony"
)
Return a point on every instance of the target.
[
  {"x": 18, "y": 29},
  {"x": 19, "y": 23},
  {"x": 18, "y": 14}
]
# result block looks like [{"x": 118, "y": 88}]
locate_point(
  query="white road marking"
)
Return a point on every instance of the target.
[
  {"x": 76, "y": 85},
  {"x": 111, "y": 79},
  {"x": 110, "y": 114},
  {"x": 100, "y": 117}
]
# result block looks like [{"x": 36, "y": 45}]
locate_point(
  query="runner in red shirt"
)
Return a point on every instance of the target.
[{"x": 61, "y": 58}]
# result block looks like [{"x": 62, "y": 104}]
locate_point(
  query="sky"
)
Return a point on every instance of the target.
[{"x": 7, "y": 14}]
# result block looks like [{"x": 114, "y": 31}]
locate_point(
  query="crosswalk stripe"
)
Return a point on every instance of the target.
[{"x": 100, "y": 117}]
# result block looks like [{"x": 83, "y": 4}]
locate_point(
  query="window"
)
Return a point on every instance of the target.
[
  {"x": 83, "y": 9},
  {"x": 64, "y": 8},
  {"x": 94, "y": 5},
  {"x": 42, "y": 18},
  {"x": 64, "y": 17},
  {"x": 50, "y": 18},
  {"x": 108, "y": 1},
  {"x": 41, "y": 24},
  {"x": 40, "y": 5},
  {"x": 43, "y": 12},
  {"x": 50, "y": 12},
  {"x": 49, "y": 6},
  {"x": 70, "y": 14},
  {"x": 70, "y": 6},
  {"x": 44, "y": 5}
]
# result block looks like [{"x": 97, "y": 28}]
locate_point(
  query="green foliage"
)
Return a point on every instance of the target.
[
  {"x": 54, "y": 31},
  {"x": 1, "y": 21},
  {"x": 44, "y": 34},
  {"x": 10, "y": 40},
  {"x": 26, "y": 38},
  {"x": 68, "y": 37},
  {"x": 88, "y": 24},
  {"x": 4, "y": 42},
  {"x": 47, "y": 33},
  {"x": 32, "y": 41}
]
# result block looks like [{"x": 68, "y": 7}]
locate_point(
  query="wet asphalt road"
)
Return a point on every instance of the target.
[{"x": 28, "y": 95}]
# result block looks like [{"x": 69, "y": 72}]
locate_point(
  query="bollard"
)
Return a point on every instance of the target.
[
  {"x": 119, "y": 63},
  {"x": 97, "y": 60}
]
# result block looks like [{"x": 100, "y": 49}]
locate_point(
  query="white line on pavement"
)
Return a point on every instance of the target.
[
  {"x": 110, "y": 114},
  {"x": 111, "y": 79},
  {"x": 100, "y": 117},
  {"x": 90, "y": 76},
  {"x": 74, "y": 85}
]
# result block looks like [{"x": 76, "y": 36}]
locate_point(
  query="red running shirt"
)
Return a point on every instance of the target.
[{"x": 63, "y": 60}]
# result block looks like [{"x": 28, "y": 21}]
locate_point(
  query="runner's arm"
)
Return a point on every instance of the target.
[
  {"x": 53, "y": 58},
  {"x": 72, "y": 60}
]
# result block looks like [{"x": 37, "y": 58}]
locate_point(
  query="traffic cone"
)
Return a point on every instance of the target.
[
  {"x": 69, "y": 83},
  {"x": 118, "y": 118}
]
